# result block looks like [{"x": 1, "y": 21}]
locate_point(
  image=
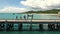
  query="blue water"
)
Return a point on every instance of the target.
[
  {"x": 9, "y": 16},
  {"x": 35, "y": 16},
  {"x": 31, "y": 32}
]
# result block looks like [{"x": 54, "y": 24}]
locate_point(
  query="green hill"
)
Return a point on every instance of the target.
[{"x": 53, "y": 11}]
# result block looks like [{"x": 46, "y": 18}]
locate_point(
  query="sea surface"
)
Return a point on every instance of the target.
[
  {"x": 35, "y": 16},
  {"x": 31, "y": 32}
]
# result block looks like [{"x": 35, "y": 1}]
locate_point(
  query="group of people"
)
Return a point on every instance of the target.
[
  {"x": 21, "y": 17},
  {"x": 25, "y": 17}
]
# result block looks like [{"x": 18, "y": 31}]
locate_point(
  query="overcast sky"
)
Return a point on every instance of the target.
[
  {"x": 19, "y": 6},
  {"x": 42, "y": 4}
]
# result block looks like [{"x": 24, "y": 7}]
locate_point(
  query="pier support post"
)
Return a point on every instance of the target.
[
  {"x": 5, "y": 25},
  {"x": 41, "y": 27},
  {"x": 30, "y": 27},
  {"x": 49, "y": 27},
  {"x": 20, "y": 27},
  {"x": 11, "y": 27}
]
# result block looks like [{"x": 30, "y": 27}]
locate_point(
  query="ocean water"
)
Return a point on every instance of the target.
[
  {"x": 9, "y": 15},
  {"x": 31, "y": 32},
  {"x": 35, "y": 16}
]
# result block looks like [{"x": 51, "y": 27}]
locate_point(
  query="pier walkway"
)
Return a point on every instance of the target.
[{"x": 29, "y": 21}]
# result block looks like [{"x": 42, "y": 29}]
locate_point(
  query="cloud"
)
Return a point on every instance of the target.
[
  {"x": 42, "y": 4},
  {"x": 13, "y": 10}
]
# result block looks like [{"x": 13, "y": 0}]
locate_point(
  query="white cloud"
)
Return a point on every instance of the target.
[
  {"x": 42, "y": 4},
  {"x": 13, "y": 10}
]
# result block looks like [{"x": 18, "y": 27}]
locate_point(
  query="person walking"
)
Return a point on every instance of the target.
[
  {"x": 16, "y": 17},
  {"x": 24, "y": 17}
]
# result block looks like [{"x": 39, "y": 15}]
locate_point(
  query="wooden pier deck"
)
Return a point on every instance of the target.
[{"x": 29, "y": 20}]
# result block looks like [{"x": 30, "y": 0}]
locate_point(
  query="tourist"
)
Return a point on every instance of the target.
[
  {"x": 24, "y": 17},
  {"x": 16, "y": 17},
  {"x": 13, "y": 13},
  {"x": 30, "y": 16}
]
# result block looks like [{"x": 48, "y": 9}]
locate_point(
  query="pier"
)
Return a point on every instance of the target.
[
  {"x": 28, "y": 21},
  {"x": 18, "y": 25}
]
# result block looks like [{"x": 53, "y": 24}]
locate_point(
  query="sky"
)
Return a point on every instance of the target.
[
  {"x": 13, "y": 3},
  {"x": 12, "y": 6},
  {"x": 42, "y": 4},
  {"x": 20, "y": 6}
]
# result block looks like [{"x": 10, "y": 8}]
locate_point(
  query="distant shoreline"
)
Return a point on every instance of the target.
[
  {"x": 40, "y": 13},
  {"x": 53, "y": 11}
]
